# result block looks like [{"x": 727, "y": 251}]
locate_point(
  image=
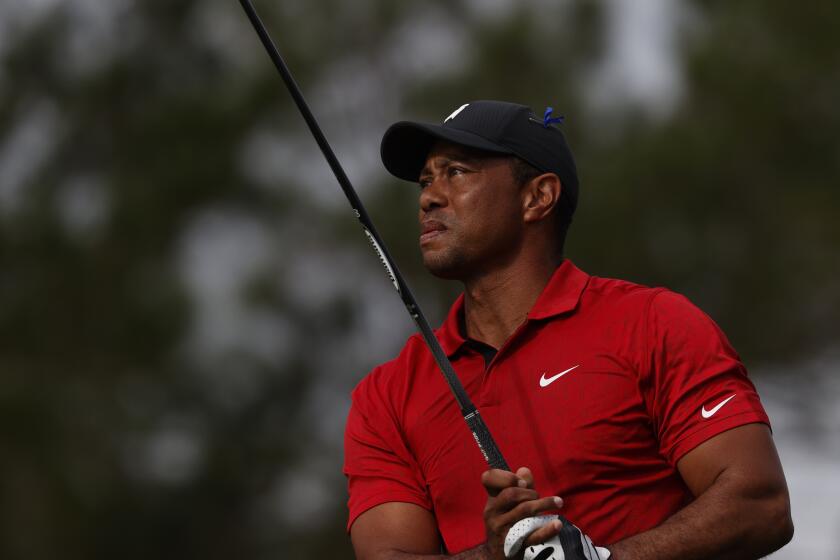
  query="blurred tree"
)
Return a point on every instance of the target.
[{"x": 731, "y": 200}]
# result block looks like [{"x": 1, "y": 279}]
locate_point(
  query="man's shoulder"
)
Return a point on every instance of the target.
[
  {"x": 387, "y": 375},
  {"x": 660, "y": 309},
  {"x": 615, "y": 295},
  {"x": 619, "y": 291}
]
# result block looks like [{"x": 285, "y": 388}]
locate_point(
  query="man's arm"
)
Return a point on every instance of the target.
[
  {"x": 742, "y": 508},
  {"x": 399, "y": 530},
  {"x": 404, "y": 531}
]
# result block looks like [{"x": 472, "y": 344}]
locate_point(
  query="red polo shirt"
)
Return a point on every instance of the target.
[{"x": 646, "y": 377}]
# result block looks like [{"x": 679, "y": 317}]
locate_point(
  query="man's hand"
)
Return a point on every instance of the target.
[
  {"x": 513, "y": 521},
  {"x": 570, "y": 544},
  {"x": 511, "y": 498}
]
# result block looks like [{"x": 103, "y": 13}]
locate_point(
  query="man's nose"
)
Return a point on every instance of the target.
[{"x": 433, "y": 195}]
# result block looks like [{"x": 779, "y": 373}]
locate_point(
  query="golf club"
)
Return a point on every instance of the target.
[{"x": 479, "y": 430}]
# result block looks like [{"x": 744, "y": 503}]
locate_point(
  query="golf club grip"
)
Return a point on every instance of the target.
[
  {"x": 485, "y": 441},
  {"x": 481, "y": 434}
]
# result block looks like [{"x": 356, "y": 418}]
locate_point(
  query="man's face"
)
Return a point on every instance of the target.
[{"x": 470, "y": 211}]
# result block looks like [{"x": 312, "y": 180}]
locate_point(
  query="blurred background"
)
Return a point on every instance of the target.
[{"x": 186, "y": 300}]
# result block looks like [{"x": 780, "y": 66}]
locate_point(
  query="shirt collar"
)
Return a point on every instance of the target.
[{"x": 560, "y": 295}]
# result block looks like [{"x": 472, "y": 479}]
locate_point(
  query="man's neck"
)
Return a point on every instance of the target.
[{"x": 496, "y": 304}]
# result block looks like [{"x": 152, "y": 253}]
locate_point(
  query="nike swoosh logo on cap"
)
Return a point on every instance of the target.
[
  {"x": 546, "y": 382},
  {"x": 709, "y": 413},
  {"x": 455, "y": 113}
]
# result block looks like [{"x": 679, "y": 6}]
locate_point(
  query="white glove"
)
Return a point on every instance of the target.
[{"x": 569, "y": 544}]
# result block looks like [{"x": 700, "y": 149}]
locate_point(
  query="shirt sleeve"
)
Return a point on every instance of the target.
[
  {"x": 697, "y": 386},
  {"x": 377, "y": 462}
]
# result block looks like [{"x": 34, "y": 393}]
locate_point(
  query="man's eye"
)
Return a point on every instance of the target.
[
  {"x": 455, "y": 171},
  {"x": 424, "y": 183}
]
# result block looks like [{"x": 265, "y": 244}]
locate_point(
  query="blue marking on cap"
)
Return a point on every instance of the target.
[{"x": 549, "y": 120}]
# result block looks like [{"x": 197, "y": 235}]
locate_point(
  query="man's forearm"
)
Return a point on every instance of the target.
[
  {"x": 481, "y": 552},
  {"x": 731, "y": 520}
]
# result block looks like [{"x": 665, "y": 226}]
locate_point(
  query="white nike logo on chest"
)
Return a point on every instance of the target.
[{"x": 545, "y": 382}]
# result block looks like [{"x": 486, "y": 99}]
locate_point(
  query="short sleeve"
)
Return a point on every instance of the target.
[
  {"x": 696, "y": 386},
  {"x": 377, "y": 462}
]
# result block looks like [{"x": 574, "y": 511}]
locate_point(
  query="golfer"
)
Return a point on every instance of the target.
[{"x": 623, "y": 408}]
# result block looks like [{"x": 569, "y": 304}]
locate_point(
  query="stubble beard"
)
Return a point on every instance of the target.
[
  {"x": 461, "y": 261},
  {"x": 449, "y": 264}
]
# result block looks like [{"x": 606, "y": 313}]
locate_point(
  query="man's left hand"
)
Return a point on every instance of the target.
[{"x": 569, "y": 544}]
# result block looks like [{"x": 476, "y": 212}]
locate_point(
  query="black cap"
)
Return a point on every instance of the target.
[{"x": 492, "y": 126}]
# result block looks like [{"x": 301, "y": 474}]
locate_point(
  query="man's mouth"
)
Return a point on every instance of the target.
[{"x": 429, "y": 229}]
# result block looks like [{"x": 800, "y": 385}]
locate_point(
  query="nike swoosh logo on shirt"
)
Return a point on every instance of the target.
[
  {"x": 546, "y": 382},
  {"x": 709, "y": 413}
]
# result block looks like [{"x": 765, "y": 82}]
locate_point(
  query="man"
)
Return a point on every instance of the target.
[{"x": 623, "y": 405}]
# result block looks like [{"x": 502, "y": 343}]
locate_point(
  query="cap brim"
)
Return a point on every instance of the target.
[{"x": 405, "y": 146}]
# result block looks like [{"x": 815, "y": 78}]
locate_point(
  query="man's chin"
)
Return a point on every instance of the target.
[{"x": 444, "y": 267}]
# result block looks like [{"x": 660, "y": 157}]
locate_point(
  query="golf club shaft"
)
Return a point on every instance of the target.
[{"x": 481, "y": 434}]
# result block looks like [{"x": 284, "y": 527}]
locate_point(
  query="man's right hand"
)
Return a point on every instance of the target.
[{"x": 511, "y": 497}]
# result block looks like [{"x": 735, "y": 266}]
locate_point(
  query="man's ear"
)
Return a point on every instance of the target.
[{"x": 539, "y": 197}]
